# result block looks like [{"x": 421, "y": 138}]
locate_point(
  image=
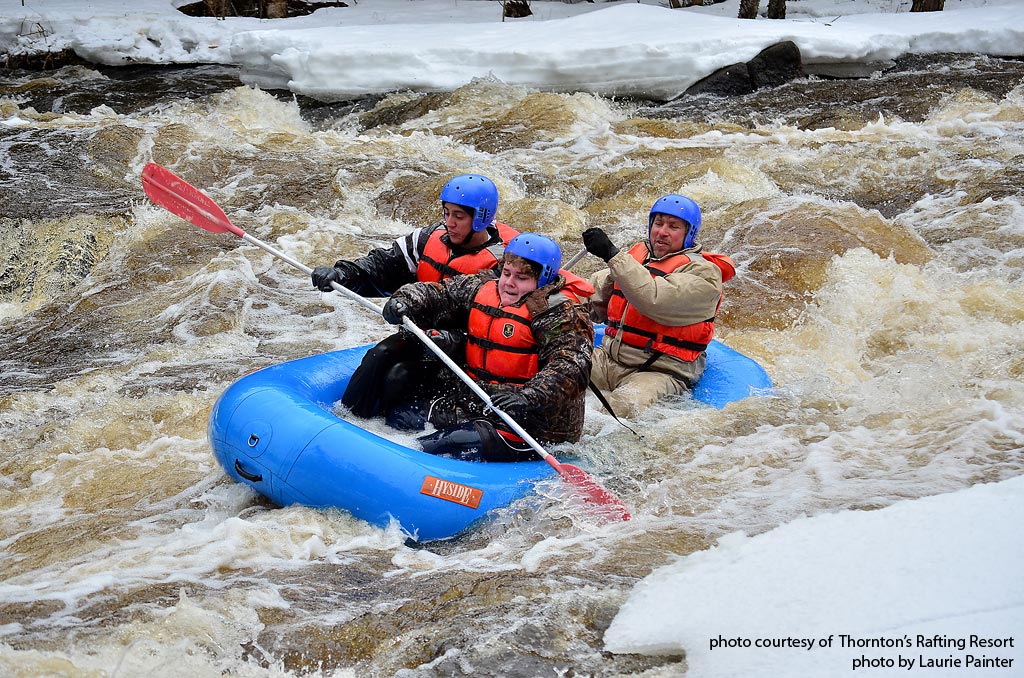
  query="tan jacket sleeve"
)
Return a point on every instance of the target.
[
  {"x": 687, "y": 296},
  {"x": 598, "y": 302}
]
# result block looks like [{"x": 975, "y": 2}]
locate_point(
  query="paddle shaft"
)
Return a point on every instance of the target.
[
  {"x": 468, "y": 380},
  {"x": 575, "y": 259},
  {"x": 409, "y": 325},
  {"x": 421, "y": 335},
  {"x": 186, "y": 201}
]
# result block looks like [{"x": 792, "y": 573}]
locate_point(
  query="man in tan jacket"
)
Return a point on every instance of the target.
[{"x": 659, "y": 300}]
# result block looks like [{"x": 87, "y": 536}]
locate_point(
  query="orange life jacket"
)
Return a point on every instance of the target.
[
  {"x": 501, "y": 348},
  {"x": 685, "y": 342},
  {"x": 576, "y": 288},
  {"x": 438, "y": 262}
]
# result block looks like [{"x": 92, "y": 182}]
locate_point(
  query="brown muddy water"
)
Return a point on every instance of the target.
[{"x": 878, "y": 226}]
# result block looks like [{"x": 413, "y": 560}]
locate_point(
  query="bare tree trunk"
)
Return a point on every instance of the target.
[
  {"x": 277, "y": 9},
  {"x": 776, "y": 9},
  {"x": 218, "y": 8},
  {"x": 748, "y": 9},
  {"x": 927, "y": 6},
  {"x": 515, "y": 9}
]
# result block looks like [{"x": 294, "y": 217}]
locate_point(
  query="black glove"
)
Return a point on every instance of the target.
[
  {"x": 449, "y": 341},
  {"x": 598, "y": 244},
  {"x": 395, "y": 309},
  {"x": 323, "y": 276},
  {"x": 513, "y": 402}
]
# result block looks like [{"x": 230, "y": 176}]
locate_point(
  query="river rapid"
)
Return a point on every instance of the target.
[{"x": 878, "y": 227}]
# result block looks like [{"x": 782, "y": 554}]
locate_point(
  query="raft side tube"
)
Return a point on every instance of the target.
[
  {"x": 377, "y": 479},
  {"x": 273, "y": 430},
  {"x": 729, "y": 374}
]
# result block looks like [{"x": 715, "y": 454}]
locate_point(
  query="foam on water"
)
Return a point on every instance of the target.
[{"x": 891, "y": 331}]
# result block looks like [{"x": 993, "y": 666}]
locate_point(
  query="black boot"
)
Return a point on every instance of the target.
[
  {"x": 410, "y": 416},
  {"x": 476, "y": 440},
  {"x": 459, "y": 442}
]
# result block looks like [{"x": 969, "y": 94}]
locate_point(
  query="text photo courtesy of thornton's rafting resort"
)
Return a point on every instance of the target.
[{"x": 451, "y": 338}]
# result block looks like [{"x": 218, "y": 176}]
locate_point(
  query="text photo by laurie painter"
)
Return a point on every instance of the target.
[{"x": 919, "y": 651}]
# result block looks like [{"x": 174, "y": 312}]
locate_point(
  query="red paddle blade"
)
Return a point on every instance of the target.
[
  {"x": 592, "y": 492},
  {"x": 185, "y": 200}
]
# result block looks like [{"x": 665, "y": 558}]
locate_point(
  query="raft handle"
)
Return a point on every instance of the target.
[
  {"x": 252, "y": 477},
  {"x": 254, "y": 440}
]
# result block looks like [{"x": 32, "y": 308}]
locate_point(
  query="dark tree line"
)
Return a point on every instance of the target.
[
  {"x": 263, "y": 9},
  {"x": 273, "y": 9},
  {"x": 777, "y": 8}
]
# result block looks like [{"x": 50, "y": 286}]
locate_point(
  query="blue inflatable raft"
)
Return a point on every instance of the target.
[{"x": 274, "y": 430}]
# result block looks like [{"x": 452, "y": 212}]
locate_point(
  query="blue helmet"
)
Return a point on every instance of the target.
[
  {"x": 539, "y": 249},
  {"x": 678, "y": 206},
  {"x": 476, "y": 192}
]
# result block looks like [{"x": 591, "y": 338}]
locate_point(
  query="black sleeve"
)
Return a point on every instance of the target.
[{"x": 383, "y": 270}]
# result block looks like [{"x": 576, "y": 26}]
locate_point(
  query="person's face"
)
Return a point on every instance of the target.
[
  {"x": 459, "y": 222},
  {"x": 515, "y": 280},
  {"x": 667, "y": 234}
]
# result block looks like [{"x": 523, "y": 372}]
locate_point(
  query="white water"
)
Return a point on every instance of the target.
[{"x": 125, "y": 549}]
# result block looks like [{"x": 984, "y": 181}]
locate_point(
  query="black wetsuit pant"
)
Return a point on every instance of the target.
[
  {"x": 389, "y": 373},
  {"x": 401, "y": 381}
]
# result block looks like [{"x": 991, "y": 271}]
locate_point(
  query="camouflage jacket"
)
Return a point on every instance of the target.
[{"x": 565, "y": 337}]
